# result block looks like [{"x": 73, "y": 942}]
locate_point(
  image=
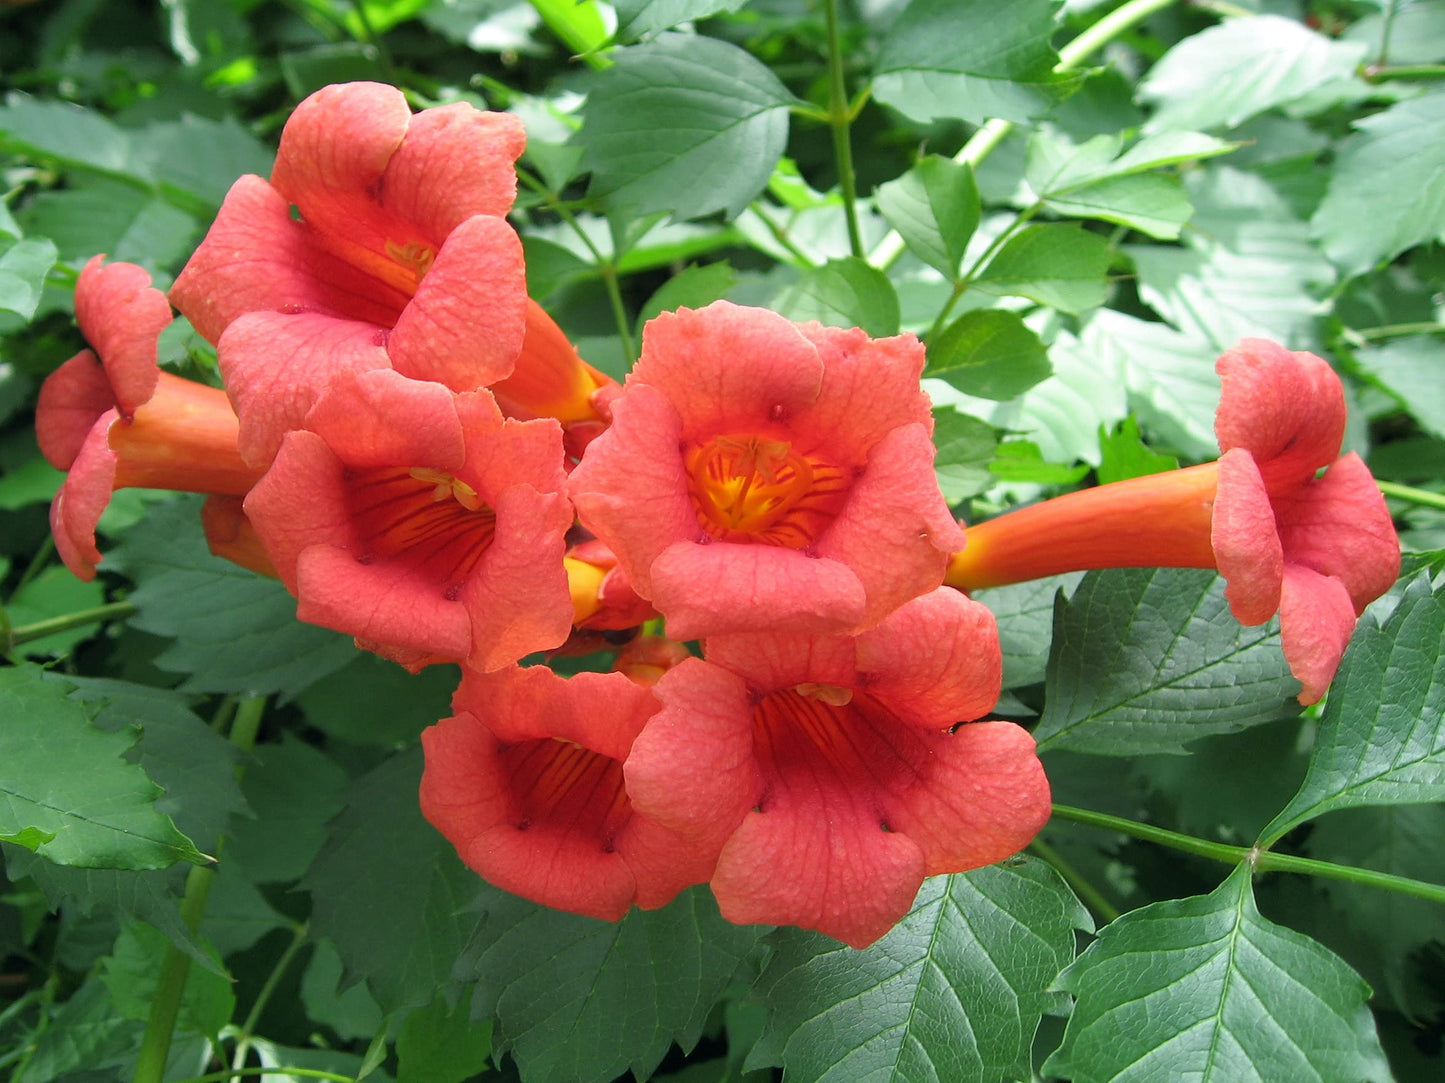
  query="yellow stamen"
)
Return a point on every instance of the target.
[{"x": 448, "y": 487}]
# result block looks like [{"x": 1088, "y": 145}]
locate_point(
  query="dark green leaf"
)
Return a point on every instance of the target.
[
  {"x": 234, "y": 630},
  {"x": 131, "y": 973},
  {"x": 371, "y": 701},
  {"x": 294, "y": 789},
  {"x": 199, "y": 159},
  {"x": 935, "y": 209},
  {"x": 55, "y": 592},
  {"x": 965, "y": 447},
  {"x": 1206, "y": 988},
  {"x": 989, "y": 353},
  {"x": 1060, "y": 265},
  {"x": 580, "y": 1000},
  {"x": 352, "y": 1013},
  {"x": 1373, "y": 212},
  {"x": 971, "y": 60},
  {"x": 684, "y": 124},
  {"x": 550, "y": 266},
  {"x": 397, "y": 922},
  {"x": 1025, "y": 616},
  {"x": 1226, "y": 74},
  {"x": 62, "y": 777},
  {"x": 694, "y": 287},
  {"x": 86, "y": 1032},
  {"x": 68, "y": 135},
  {"x": 895, "y": 1010},
  {"x": 1149, "y": 659},
  {"x": 440, "y": 1044},
  {"x": 1382, "y": 738},
  {"x": 1125, "y": 455},
  {"x": 638, "y": 17},
  {"x": 844, "y": 293}
]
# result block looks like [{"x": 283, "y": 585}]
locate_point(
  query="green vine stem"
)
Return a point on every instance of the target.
[
  {"x": 1262, "y": 860},
  {"x": 253, "y": 1017},
  {"x": 42, "y": 628},
  {"x": 299, "y": 1073},
  {"x": 1404, "y": 71},
  {"x": 838, "y": 120},
  {"x": 1071, "y": 56},
  {"x": 150, "y": 1063},
  {"x": 1399, "y": 330},
  {"x": 1423, "y": 497}
]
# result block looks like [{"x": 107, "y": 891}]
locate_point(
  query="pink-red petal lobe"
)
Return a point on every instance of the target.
[
  {"x": 1285, "y": 408},
  {"x": 1340, "y": 526},
  {"x": 817, "y": 857},
  {"x": 456, "y": 161},
  {"x": 728, "y": 368},
  {"x": 121, "y": 316},
  {"x": 1316, "y": 619},
  {"x": 936, "y": 661},
  {"x": 465, "y": 795},
  {"x": 83, "y": 497},
  {"x": 895, "y": 533},
  {"x": 983, "y": 798},
  {"x": 769, "y": 661},
  {"x": 870, "y": 387},
  {"x": 630, "y": 488},
  {"x": 299, "y": 502},
  {"x": 722, "y": 587},
  {"x": 334, "y": 151},
  {"x": 1245, "y": 539},
  {"x": 465, "y": 324},
  {"x": 379, "y": 418},
  {"x": 71, "y": 399},
  {"x": 276, "y": 366}
]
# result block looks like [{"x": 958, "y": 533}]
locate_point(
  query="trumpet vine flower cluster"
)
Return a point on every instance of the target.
[{"x": 417, "y": 452}]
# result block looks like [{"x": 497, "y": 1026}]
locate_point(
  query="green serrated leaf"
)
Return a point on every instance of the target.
[
  {"x": 1024, "y": 613},
  {"x": 85, "y": 1034},
  {"x": 1222, "y": 76},
  {"x": 294, "y": 789},
  {"x": 371, "y": 701},
  {"x": 1023, "y": 461},
  {"x": 965, "y": 447},
  {"x": 580, "y": 1000},
  {"x": 352, "y": 1013},
  {"x": 935, "y": 209},
  {"x": 68, "y": 135},
  {"x": 1381, "y": 740},
  {"x": 844, "y": 293},
  {"x": 396, "y": 923},
  {"x": 234, "y": 630},
  {"x": 1059, "y": 264},
  {"x": 1148, "y": 659},
  {"x": 119, "y": 219},
  {"x": 1413, "y": 370},
  {"x": 23, "y": 267},
  {"x": 440, "y": 1043},
  {"x": 1207, "y": 988},
  {"x": 893, "y": 1010},
  {"x": 636, "y": 18},
  {"x": 934, "y": 63},
  {"x": 131, "y": 973},
  {"x": 693, "y": 287},
  {"x": 1372, "y": 213},
  {"x": 61, "y": 776},
  {"x": 1125, "y": 455},
  {"x": 989, "y": 353},
  {"x": 680, "y": 110}
]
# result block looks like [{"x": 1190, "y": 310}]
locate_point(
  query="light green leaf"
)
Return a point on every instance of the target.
[
  {"x": 965, "y": 446},
  {"x": 894, "y": 1010},
  {"x": 694, "y": 287},
  {"x": 1413, "y": 370},
  {"x": 636, "y": 18},
  {"x": 55, "y": 592},
  {"x": 1222, "y": 76},
  {"x": 581, "y": 1001},
  {"x": 935, "y": 209},
  {"x": 1249, "y": 268},
  {"x": 63, "y": 778},
  {"x": 843, "y": 293},
  {"x": 23, "y": 267},
  {"x": 934, "y": 63},
  {"x": 396, "y": 923},
  {"x": 1148, "y": 659},
  {"x": 1059, "y": 265},
  {"x": 68, "y": 135},
  {"x": 440, "y": 1044},
  {"x": 1023, "y": 461},
  {"x": 1381, "y": 740},
  {"x": 131, "y": 973},
  {"x": 197, "y": 159},
  {"x": 1206, "y": 988},
  {"x": 684, "y": 124},
  {"x": 106, "y": 215},
  {"x": 1387, "y": 187},
  {"x": 234, "y": 630},
  {"x": 1126, "y": 456},
  {"x": 989, "y": 353}
]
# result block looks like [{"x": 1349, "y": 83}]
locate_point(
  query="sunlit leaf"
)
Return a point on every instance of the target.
[
  {"x": 989, "y": 353},
  {"x": 935, "y": 209},
  {"x": 1059, "y": 265}
]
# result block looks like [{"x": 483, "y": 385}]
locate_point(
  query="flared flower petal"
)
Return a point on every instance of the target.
[
  {"x": 737, "y": 490},
  {"x": 526, "y": 780},
  {"x": 834, "y": 769},
  {"x": 421, "y": 522}
]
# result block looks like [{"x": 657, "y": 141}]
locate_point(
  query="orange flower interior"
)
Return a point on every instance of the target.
[
  {"x": 750, "y": 488},
  {"x": 564, "y": 785},
  {"x": 433, "y": 518}
]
